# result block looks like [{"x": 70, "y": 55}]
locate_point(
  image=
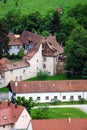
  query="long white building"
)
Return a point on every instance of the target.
[{"x": 44, "y": 91}]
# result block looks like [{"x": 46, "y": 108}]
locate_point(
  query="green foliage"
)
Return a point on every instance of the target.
[
  {"x": 76, "y": 50},
  {"x": 28, "y": 103},
  {"x": 84, "y": 72},
  {"x": 4, "y": 40},
  {"x": 21, "y": 53},
  {"x": 55, "y": 22},
  {"x": 55, "y": 113},
  {"x": 41, "y": 113},
  {"x": 42, "y": 75},
  {"x": 82, "y": 101},
  {"x": 55, "y": 101}
]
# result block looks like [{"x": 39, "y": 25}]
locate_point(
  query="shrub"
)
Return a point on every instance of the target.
[
  {"x": 42, "y": 75},
  {"x": 55, "y": 101}
]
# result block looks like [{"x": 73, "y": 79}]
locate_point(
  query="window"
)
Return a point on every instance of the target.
[
  {"x": 37, "y": 60},
  {"x": 38, "y": 98},
  {"x": 47, "y": 98},
  {"x": 44, "y": 66},
  {"x": 64, "y": 97},
  {"x": 44, "y": 59},
  {"x": 79, "y": 97},
  {"x": 16, "y": 78},
  {"x": 55, "y": 97},
  {"x": 23, "y": 71},
  {"x": 71, "y": 97},
  {"x": 11, "y": 71},
  {"x": 20, "y": 77}
]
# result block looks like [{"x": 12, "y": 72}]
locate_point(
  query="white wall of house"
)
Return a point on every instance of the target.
[
  {"x": 14, "y": 49},
  {"x": 17, "y": 74},
  {"x": 36, "y": 62},
  {"x": 6, "y": 127},
  {"x": 24, "y": 121},
  {"x": 50, "y": 65},
  {"x": 62, "y": 96}
]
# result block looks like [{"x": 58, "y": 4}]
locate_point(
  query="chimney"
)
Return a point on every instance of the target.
[
  {"x": 16, "y": 105},
  {"x": 69, "y": 119},
  {"x": 8, "y": 103},
  {"x": 16, "y": 84}
]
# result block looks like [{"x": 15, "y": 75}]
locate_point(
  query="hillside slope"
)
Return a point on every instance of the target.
[{"x": 44, "y": 6}]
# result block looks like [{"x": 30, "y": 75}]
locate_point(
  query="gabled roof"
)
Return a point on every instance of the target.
[
  {"x": 51, "y": 47},
  {"x": 60, "y": 124},
  {"x": 30, "y": 38},
  {"x": 48, "y": 86},
  {"x": 6, "y": 64},
  {"x": 9, "y": 113},
  {"x": 14, "y": 40}
]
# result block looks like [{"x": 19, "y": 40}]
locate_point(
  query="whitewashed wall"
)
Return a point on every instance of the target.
[
  {"x": 23, "y": 121},
  {"x": 51, "y": 95},
  {"x": 11, "y": 75},
  {"x": 7, "y": 127},
  {"x": 51, "y": 63},
  {"x": 14, "y": 49},
  {"x": 36, "y": 62}
]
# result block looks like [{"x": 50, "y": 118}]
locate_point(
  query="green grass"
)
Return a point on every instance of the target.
[
  {"x": 54, "y": 113},
  {"x": 4, "y": 89},
  {"x": 44, "y": 6},
  {"x": 56, "y": 77}
]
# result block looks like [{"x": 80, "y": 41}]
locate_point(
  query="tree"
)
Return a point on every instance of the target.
[
  {"x": 21, "y": 53},
  {"x": 4, "y": 40},
  {"x": 42, "y": 75},
  {"x": 28, "y": 103},
  {"x": 41, "y": 113},
  {"x": 84, "y": 72},
  {"x": 76, "y": 50},
  {"x": 79, "y": 12},
  {"x": 55, "y": 23}
]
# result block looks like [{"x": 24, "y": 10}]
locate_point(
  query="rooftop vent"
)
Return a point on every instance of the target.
[{"x": 5, "y": 117}]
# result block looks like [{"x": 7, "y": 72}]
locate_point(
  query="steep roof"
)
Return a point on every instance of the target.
[
  {"x": 30, "y": 38},
  {"x": 6, "y": 64},
  {"x": 48, "y": 86},
  {"x": 51, "y": 47},
  {"x": 60, "y": 124},
  {"x": 9, "y": 113},
  {"x": 14, "y": 40}
]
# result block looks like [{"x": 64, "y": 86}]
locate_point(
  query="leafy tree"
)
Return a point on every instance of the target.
[
  {"x": 28, "y": 103},
  {"x": 4, "y": 40},
  {"x": 79, "y": 12},
  {"x": 84, "y": 72},
  {"x": 41, "y": 113},
  {"x": 21, "y": 53},
  {"x": 42, "y": 75},
  {"x": 76, "y": 50},
  {"x": 55, "y": 23}
]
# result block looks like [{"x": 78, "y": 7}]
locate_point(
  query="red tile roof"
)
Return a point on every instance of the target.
[
  {"x": 30, "y": 38},
  {"x": 9, "y": 113},
  {"x": 14, "y": 41},
  {"x": 6, "y": 64},
  {"x": 48, "y": 86},
  {"x": 60, "y": 124},
  {"x": 51, "y": 47}
]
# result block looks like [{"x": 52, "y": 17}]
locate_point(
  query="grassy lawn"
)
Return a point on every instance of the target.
[
  {"x": 56, "y": 77},
  {"x": 44, "y": 6},
  {"x": 54, "y": 113},
  {"x": 5, "y": 89}
]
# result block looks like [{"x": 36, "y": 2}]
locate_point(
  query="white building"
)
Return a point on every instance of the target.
[
  {"x": 44, "y": 91},
  {"x": 41, "y": 54},
  {"x": 14, "y": 117}
]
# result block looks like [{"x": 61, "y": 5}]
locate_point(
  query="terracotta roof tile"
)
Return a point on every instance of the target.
[
  {"x": 48, "y": 86},
  {"x": 6, "y": 64},
  {"x": 60, "y": 124},
  {"x": 9, "y": 113},
  {"x": 14, "y": 40}
]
